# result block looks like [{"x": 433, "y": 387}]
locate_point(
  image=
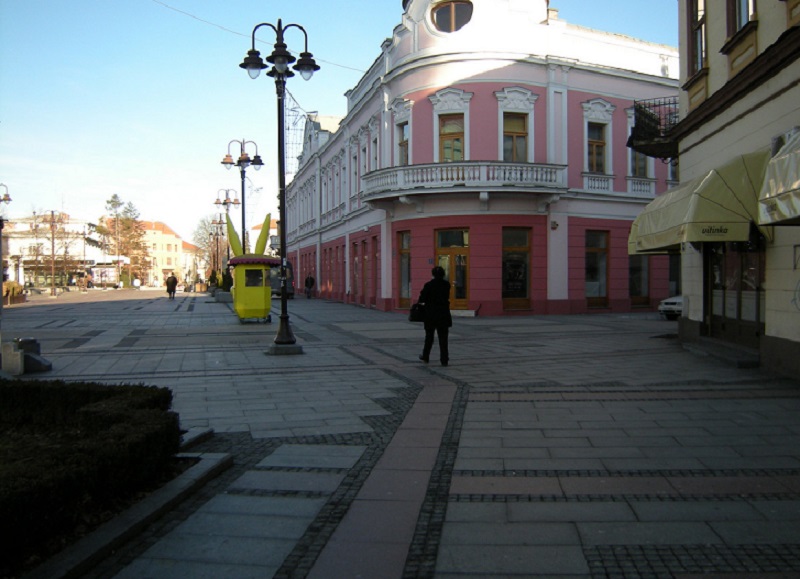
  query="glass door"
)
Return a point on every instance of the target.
[
  {"x": 735, "y": 282},
  {"x": 452, "y": 254}
]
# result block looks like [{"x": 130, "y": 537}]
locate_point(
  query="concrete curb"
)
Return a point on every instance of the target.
[{"x": 78, "y": 558}]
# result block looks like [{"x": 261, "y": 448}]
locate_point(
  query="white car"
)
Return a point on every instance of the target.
[{"x": 671, "y": 308}]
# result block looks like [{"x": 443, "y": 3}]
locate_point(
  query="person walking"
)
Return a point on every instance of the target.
[
  {"x": 309, "y": 285},
  {"x": 172, "y": 285},
  {"x": 435, "y": 296}
]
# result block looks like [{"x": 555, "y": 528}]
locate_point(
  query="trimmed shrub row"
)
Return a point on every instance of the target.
[{"x": 67, "y": 448}]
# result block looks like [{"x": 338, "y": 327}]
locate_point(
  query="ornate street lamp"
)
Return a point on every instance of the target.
[
  {"x": 6, "y": 198},
  {"x": 227, "y": 202},
  {"x": 243, "y": 162},
  {"x": 280, "y": 59}
]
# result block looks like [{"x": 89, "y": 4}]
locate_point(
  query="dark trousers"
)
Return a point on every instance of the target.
[{"x": 442, "y": 332}]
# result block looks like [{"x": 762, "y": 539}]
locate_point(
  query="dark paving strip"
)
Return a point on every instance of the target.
[
  {"x": 78, "y": 342},
  {"x": 631, "y": 473},
  {"x": 421, "y": 560},
  {"x": 128, "y": 342},
  {"x": 75, "y": 343},
  {"x": 633, "y": 396},
  {"x": 623, "y": 498},
  {"x": 302, "y": 558},
  {"x": 629, "y": 561}
]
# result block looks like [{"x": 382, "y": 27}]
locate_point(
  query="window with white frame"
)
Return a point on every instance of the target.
[
  {"x": 401, "y": 110},
  {"x": 598, "y": 157},
  {"x": 596, "y": 148},
  {"x": 402, "y": 144},
  {"x": 515, "y": 124},
  {"x": 452, "y": 103}
]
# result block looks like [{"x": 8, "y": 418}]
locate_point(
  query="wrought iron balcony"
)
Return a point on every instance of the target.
[
  {"x": 462, "y": 176},
  {"x": 654, "y": 119}
]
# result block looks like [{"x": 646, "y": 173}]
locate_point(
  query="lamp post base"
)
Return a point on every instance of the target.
[
  {"x": 285, "y": 340},
  {"x": 284, "y": 349}
]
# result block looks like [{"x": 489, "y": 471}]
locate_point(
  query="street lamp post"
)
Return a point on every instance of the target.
[
  {"x": 53, "y": 227},
  {"x": 227, "y": 202},
  {"x": 6, "y": 198},
  {"x": 280, "y": 59},
  {"x": 243, "y": 163}
]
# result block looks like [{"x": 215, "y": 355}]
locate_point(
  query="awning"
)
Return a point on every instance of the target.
[
  {"x": 719, "y": 206},
  {"x": 779, "y": 201}
]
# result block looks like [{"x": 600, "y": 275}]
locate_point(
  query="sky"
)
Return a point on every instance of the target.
[{"x": 141, "y": 98}]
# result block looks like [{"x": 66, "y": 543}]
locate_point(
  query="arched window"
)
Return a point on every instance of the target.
[{"x": 452, "y": 16}]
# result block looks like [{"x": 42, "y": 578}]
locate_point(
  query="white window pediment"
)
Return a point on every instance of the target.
[
  {"x": 451, "y": 100},
  {"x": 401, "y": 109},
  {"x": 516, "y": 99},
  {"x": 598, "y": 110}
]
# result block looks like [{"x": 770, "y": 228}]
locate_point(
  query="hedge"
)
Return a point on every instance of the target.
[{"x": 66, "y": 448}]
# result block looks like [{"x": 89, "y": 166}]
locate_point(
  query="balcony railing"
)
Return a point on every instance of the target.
[
  {"x": 473, "y": 175},
  {"x": 653, "y": 121}
]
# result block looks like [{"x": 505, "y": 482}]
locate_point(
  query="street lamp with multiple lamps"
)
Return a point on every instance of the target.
[
  {"x": 227, "y": 202},
  {"x": 280, "y": 59},
  {"x": 243, "y": 163},
  {"x": 6, "y": 198}
]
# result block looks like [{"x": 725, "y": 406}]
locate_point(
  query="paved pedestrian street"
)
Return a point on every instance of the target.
[{"x": 551, "y": 446}]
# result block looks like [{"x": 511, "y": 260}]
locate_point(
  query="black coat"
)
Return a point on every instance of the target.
[{"x": 436, "y": 296}]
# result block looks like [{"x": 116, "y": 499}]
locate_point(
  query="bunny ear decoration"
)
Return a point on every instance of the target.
[
  {"x": 233, "y": 238},
  {"x": 263, "y": 237}
]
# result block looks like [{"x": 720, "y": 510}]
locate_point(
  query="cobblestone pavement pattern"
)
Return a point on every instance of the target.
[{"x": 558, "y": 446}]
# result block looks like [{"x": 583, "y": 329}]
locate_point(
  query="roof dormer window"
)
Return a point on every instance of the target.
[{"x": 451, "y": 16}]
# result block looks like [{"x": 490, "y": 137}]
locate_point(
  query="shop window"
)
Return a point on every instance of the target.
[
  {"x": 596, "y": 269},
  {"x": 452, "y": 253},
  {"x": 516, "y": 268},
  {"x": 451, "y": 138},
  {"x": 515, "y": 137},
  {"x": 404, "y": 263},
  {"x": 639, "y": 279},
  {"x": 451, "y": 16}
]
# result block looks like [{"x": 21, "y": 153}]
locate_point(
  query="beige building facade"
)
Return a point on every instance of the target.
[
  {"x": 739, "y": 119},
  {"x": 166, "y": 253}
]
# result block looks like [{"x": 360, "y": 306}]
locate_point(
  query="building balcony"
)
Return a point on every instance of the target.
[
  {"x": 480, "y": 176},
  {"x": 653, "y": 121}
]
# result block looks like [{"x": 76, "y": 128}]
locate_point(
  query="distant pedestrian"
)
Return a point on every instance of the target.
[
  {"x": 435, "y": 295},
  {"x": 172, "y": 285},
  {"x": 137, "y": 284},
  {"x": 309, "y": 285}
]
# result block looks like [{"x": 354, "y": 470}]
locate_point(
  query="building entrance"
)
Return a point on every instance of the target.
[
  {"x": 735, "y": 290},
  {"x": 452, "y": 253}
]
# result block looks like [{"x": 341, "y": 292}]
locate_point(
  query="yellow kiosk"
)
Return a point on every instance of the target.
[{"x": 252, "y": 290}]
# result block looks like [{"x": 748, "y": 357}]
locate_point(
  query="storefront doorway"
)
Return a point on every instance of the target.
[
  {"x": 735, "y": 290},
  {"x": 452, "y": 253}
]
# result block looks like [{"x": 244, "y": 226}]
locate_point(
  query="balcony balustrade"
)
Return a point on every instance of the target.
[{"x": 469, "y": 175}]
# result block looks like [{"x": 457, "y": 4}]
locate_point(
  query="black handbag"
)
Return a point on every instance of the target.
[{"x": 417, "y": 313}]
